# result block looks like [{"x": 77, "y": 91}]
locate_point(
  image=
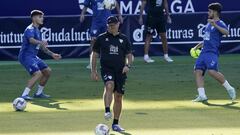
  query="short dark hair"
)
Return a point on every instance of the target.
[
  {"x": 216, "y": 7},
  {"x": 36, "y": 12}
]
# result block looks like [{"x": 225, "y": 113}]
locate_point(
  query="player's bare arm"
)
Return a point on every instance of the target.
[
  {"x": 144, "y": 2},
  {"x": 128, "y": 63},
  {"x": 94, "y": 74},
  {"x": 43, "y": 47},
  {"x": 50, "y": 53},
  {"x": 222, "y": 30},
  {"x": 82, "y": 16},
  {"x": 169, "y": 19},
  {"x": 198, "y": 46},
  {"x": 119, "y": 13},
  {"x": 36, "y": 42},
  {"x": 129, "y": 59}
]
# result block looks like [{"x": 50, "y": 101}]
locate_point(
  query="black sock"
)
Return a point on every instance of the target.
[
  {"x": 107, "y": 109},
  {"x": 115, "y": 121}
]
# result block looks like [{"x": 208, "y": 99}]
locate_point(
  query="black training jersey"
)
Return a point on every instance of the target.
[
  {"x": 112, "y": 49},
  {"x": 155, "y": 7}
]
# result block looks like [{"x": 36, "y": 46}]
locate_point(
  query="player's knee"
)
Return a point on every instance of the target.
[
  {"x": 198, "y": 72},
  {"x": 47, "y": 72},
  {"x": 212, "y": 72},
  {"x": 93, "y": 40},
  {"x": 148, "y": 38},
  {"x": 109, "y": 86},
  {"x": 118, "y": 97},
  {"x": 162, "y": 35},
  {"x": 38, "y": 74}
]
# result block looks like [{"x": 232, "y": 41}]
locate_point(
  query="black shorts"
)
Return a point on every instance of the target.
[
  {"x": 155, "y": 23},
  {"x": 117, "y": 77}
]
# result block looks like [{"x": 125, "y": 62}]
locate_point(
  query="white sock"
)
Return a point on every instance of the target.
[
  {"x": 39, "y": 90},
  {"x": 201, "y": 92},
  {"x": 165, "y": 55},
  {"x": 26, "y": 91},
  {"x": 146, "y": 56},
  {"x": 227, "y": 85}
]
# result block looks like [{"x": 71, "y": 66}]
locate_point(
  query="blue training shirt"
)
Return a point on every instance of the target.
[
  {"x": 27, "y": 48},
  {"x": 212, "y": 38},
  {"x": 100, "y": 14}
]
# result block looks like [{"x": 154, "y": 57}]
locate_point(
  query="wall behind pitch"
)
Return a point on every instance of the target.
[
  {"x": 72, "y": 7},
  {"x": 70, "y": 38}
]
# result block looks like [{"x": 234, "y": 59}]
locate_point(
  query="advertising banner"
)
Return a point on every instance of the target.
[
  {"x": 128, "y": 7},
  {"x": 70, "y": 38}
]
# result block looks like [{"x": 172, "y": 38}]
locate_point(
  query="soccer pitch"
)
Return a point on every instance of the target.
[{"x": 157, "y": 100}]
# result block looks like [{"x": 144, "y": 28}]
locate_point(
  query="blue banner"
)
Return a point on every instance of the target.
[
  {"x": 70, "y": 38},
  {"x": 73, "y": 7}
]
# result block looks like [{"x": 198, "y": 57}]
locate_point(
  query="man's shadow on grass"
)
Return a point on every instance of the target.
[
  {"x": 227, "y": 105},
  {"x": 123, "y": 133},
  {"x": 48, "y": 103}
]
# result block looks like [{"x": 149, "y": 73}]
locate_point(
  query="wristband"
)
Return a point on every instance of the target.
[{"x": 128, "y": 66}]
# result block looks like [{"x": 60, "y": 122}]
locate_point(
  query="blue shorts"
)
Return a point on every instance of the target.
[
  {"x": 97, "y": 28},
  {"x": 33, "y": 64},
  {"x": 207, "y": 61}
]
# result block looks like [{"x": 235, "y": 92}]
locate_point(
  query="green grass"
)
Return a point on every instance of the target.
[{"x": 157, "y": 100}]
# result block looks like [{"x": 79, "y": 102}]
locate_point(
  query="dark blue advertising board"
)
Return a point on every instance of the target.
[{"x": 70, "y": 38}]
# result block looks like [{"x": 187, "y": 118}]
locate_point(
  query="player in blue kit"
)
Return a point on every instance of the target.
[
  {"x": 208, "y": 59},
  {"x": 32, "y": 42},
  {"x": 100, "y": 15}
]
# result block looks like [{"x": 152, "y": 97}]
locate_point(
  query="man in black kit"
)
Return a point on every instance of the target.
[
  {"x": 113, "y": 48},
  {"x": 157, "y": 9}
]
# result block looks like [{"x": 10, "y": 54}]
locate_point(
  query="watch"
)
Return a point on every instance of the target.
[{"x": 128, "y": 66}]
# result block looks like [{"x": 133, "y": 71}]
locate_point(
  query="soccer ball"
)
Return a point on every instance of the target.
[
  {"x": 101, "y": 129},
  {"x": 109, "y": 4},
  {"x": 19, "y": 104},
  {"x": 195, "y": 53}
]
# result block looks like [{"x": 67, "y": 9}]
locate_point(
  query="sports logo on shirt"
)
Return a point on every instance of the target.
[
  {"x": 31, "y": 30},
  {"x": 206, "y": 36},
  {"x": 113, "y": 50},
  {"x": 94, "y": 31},
  {"x": 121, "y": 41},
  {"x": 100, "y": 6}
]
